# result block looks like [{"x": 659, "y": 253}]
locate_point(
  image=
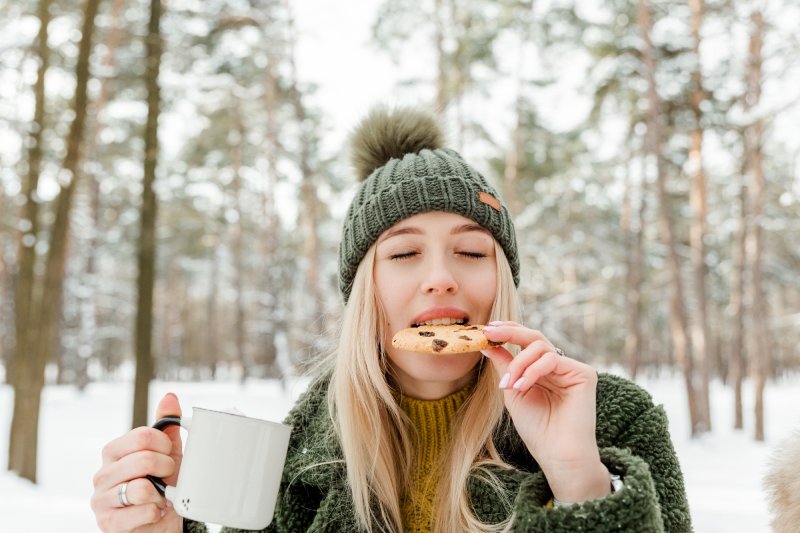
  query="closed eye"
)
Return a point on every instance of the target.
[
  {"x": 472, "y": 255},
  {"x": 402, "y": 256}
]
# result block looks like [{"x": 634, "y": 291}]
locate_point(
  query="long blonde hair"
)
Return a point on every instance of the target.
[{"x": 375, "y": 434}]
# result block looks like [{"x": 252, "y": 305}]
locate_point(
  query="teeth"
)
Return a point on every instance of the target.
[{"x": 443, "y": 322}]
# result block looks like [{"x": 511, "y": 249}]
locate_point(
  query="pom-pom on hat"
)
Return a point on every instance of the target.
[{"x": 404, "y": 169}]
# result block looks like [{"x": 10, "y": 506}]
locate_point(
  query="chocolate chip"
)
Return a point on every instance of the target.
[
  {"x": 464, "y": 337},
  {"x": 472, "y": 327},
  {"x": 426, "y": 334},
  {"x": 439, "y": 345}
]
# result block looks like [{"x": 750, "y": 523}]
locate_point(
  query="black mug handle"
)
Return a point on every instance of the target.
[{"x": 162, "y": 424}]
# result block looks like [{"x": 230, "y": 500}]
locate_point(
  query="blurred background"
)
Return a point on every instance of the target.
[{"x": 173, "y": 177}]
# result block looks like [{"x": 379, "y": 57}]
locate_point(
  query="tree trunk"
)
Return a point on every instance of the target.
[
  {"x": 755, "y": 247},
  {"x": 270, "y": 238},
  {"x": 737, "y": 364},
  {"x": 185, "y": 320},
  {"x": 89, "y": 309},
  {"x": 29, "y": 219},
  {"x": 700, "y": 330},
  {"x": 633, "y": 281},
  {"x": 309, "y": 222},
  {"x": 169, "y": 365},
  {"x": 6, "y": 297},
  {"x": 212, "y": 356},
  {"x": 147, "y": 236},
  {"x": 237, "y": 246},
  {"x": 678, "y": 323},
  {"x": 20, "y": 369},
  {"x": 40, "y": 319},
  {"x": 441, "y": 58},
  {"x": 87, "y": 302}
]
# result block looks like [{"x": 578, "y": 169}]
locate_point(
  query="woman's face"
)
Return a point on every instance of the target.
[{"x": 434, "y": 266}]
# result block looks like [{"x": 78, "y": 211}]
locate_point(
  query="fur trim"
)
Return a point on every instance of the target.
[
  {"x": 783, "y": 485},
  {"x": 386, "y": 134}
]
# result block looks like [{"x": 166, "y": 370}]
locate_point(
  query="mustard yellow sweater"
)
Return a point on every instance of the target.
[{"x": 432, "y": 420}]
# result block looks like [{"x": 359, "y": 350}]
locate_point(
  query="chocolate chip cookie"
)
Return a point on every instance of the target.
[{"x": 454, "y": 338}]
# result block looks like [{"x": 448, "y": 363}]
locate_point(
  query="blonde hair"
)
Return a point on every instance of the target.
[{"x": 376, "y": 436}]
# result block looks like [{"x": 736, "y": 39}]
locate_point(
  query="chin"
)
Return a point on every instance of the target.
[{"x": 437, "y": 368}]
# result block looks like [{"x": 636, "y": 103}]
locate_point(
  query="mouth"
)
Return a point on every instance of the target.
[
  {"x": 440, "y": 316},
  {"x": 442, "y": 322}
]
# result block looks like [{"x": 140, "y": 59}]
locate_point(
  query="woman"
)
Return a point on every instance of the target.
[{"x": 391, "y": 440}]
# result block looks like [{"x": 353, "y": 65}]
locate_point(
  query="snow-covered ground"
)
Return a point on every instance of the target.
[{"x": 723, "y": 470}]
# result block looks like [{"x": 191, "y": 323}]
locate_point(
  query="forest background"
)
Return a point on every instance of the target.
[{"x": 173, "y": 179}]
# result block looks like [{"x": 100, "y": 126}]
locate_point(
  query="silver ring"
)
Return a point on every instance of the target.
[
  {"x": 122, "y": 494},
  {"x": 560, "y": 352}
]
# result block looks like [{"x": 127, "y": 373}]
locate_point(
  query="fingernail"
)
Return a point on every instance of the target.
[
  {"x": 504, "y": 380},
  {"x": 169, "y": 504},
  {"x": 495, "y": 323},
  {"x": 485, "y": 353},
  {"x": 519, "y": 383},
  {"x": 171, "y": 394},
  {"x": 163, "y": 512}
]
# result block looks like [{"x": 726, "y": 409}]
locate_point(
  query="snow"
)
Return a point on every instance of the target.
[{"x": 723, "y": 470}]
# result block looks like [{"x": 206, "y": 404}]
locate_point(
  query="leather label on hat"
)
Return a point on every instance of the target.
[{"x": 489, "y": 200}]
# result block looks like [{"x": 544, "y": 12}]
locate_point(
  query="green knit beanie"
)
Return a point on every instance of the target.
[{"x": 405, "y": 170}]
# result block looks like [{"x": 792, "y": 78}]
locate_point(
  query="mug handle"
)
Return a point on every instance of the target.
[{"x": 162, "y": 424}]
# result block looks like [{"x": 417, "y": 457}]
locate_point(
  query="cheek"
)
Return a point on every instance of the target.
[
  {"x": 392, "y": 292},
  {"x": 482, "y": 290}
]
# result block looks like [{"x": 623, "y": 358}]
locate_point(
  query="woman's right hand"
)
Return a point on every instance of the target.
[{"x": 140, "y": 452}]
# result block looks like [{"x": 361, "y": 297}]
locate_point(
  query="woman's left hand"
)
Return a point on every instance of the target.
[{"x": 552, "y": 402}]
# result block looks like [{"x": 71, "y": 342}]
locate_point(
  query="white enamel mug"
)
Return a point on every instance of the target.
[{"x": 231, "y": 468}]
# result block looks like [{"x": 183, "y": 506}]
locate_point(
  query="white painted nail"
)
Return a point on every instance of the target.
[
  {"x": 519, "y": 383},
  {"x": 504, "y": 380}
]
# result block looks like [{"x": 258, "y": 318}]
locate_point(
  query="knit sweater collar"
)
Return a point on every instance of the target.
[{"x": 433, "y": 418}]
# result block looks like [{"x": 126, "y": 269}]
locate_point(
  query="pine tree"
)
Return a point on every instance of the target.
[
  {"x": 147, "y": 235},
  {"x": 38, "y": 310}
]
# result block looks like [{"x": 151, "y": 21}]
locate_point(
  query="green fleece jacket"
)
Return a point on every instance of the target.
[{"x": 632, "y": 435}]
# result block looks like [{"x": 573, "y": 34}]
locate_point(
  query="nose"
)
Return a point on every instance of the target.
[{"x": 439, "y": 278}]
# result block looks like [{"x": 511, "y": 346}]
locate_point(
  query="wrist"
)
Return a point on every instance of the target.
[{"x": 577, "y": 482}]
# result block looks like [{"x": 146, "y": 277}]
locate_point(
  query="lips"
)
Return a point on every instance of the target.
[{"x": 440, "y": 313}]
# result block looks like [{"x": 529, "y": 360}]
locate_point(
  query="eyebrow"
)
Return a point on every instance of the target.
[{"x": 414, "y": 230}]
